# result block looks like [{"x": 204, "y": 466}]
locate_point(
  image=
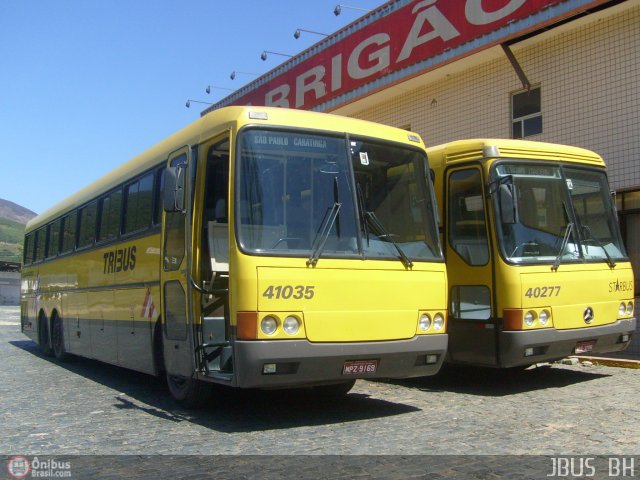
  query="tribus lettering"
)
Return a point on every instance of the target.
[{"x": 119, "y": 260}]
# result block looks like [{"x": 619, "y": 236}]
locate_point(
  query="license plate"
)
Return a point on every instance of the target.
[
  {"x": 357, "y": 367},
  {"x": 584, "y": 347}
]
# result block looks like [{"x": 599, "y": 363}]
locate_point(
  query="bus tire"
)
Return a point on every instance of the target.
[
  {"x": 43, "y": 335},
  {"x": 189, "y": 392},
  {"x": 335, "y": 390},
  {"x": 57, "y": 338}
]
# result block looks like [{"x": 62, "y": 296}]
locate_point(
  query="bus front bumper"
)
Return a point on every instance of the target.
[
  {"x": 535, "y": 346},
  {"x": 297, "y": 363}
]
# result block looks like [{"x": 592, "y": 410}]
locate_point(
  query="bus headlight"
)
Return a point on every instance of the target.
[
  {"x": 622, "y": 310},
  {"x": 268, "y": 325},
  {"x": 291, "y": 325},
  {"x": 544, "y": 317},
  {"x": 438, "y": 321},
  {"x": 630, "y": 308},
  {"x": 529, "y": 318},
  {"x": 425, "y": 322}
]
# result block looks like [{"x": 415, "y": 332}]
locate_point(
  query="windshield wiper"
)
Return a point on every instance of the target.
[
  {"x": 590, "y": 235},
  {"x": 323, "y": 234},
  {"x": 565, "y": 241},
  {"x": 375, "y": 223}
]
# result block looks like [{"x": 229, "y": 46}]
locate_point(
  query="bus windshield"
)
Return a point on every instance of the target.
[
  {"x": 318, "y": 195},
  {"x": 554, "y": 214}
]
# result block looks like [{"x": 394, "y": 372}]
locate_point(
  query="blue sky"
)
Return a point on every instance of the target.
[{"x": 87, "y": 84}]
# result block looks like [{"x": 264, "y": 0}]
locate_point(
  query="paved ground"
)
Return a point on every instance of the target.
[{"x": 88, "y": 408}]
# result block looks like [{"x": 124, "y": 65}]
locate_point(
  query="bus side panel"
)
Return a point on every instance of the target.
[
  {"x": 77, "y": 323},
  {"x": 134, "y": 331},
  {"x": 136, "y": 301},
  {"x": 104, "y": 340}
]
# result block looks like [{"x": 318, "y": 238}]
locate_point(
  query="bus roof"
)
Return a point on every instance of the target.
[
  {"x": 494, "y": 149},
  {"x": 215, "y": 123}
]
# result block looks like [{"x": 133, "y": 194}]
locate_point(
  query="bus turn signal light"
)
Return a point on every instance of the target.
[
  {"x": 512, "y": 319},
  {"x": 247, "y": 325}
]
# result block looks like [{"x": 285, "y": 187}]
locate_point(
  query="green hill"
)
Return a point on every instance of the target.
[
  {"x": 11, "y": 238},
  {"x": 13, "y": 218},
  {"x": 10, "y": 231}
]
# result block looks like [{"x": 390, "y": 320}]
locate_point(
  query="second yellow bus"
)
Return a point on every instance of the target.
[{"x": 536, "y": 266}]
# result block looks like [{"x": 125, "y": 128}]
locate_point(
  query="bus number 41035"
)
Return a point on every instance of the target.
[{"x": 286, "y": 292}]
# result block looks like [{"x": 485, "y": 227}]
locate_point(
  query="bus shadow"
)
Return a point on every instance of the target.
[
  {"x": 230, "y": 410},
  {"x": 490, "y": 382}
]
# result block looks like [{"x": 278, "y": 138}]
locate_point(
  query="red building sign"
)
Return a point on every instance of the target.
[{"x": 392, "y": 43}]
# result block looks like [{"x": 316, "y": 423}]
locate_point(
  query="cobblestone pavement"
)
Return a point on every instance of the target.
[{"x": 83, "y": 407}]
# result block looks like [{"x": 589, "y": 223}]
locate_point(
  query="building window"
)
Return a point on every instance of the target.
[{"x": 526, "y": 113}]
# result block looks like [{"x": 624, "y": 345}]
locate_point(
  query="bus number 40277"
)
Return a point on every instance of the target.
[{"x": 541, "y": 292}]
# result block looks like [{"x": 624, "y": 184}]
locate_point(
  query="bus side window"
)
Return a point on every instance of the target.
[
  {"x": 157, "y": 195},
  {"x": 174, "y": 245},
  {"x": 467, "y": 229},
  {"x": 53, "y": 247},
  {"x": 87, "y": 229},
  {"x": 138, "y": 204},
  {"x": 109, "y": 225},
  {"x": 470, "y": 302},
  {"x": 28, "y": 248},
  {"x": 216, "y": 208},
  {"x": 41, "y": 244},
  {"x": 68, "y": 232}
]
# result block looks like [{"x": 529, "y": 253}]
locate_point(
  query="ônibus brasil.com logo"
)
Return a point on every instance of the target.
[{"x": 20, "y": 467}]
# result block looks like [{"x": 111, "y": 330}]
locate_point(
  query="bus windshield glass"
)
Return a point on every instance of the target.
[
  {"x": 297, "y": 197},
  {"x": 555, "y": 214}
]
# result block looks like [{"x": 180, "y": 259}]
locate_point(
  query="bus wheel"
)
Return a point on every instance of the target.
[
  {"x": 43, "y": 335},
  {"x": 334, "y": 390},
  {"x": 189, "y": 392},
  {"x": 57, "y": 338}
]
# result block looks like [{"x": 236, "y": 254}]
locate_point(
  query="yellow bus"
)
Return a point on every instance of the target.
[
  {"x": 536, "y": 265},
  {"x": 258, "y": 247}
]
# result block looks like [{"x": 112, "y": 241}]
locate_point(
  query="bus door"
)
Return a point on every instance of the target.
[
  {"x": 177, "y": 329},
  {"x": 215, "y": 335},
  {"x": 471, "y": 327}
]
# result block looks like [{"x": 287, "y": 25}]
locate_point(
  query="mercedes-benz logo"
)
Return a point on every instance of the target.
[{"x": 587, "y": 316}]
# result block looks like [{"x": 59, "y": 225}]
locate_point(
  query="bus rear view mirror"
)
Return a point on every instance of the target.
[
  {"x": 174, "y": 193},
  {"x": 508, "y": 203}
]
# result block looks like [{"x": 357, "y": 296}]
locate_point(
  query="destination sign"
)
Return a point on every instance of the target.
[
  {"x": 528, "y": 170},
  {"x": 265, "y": 140}
]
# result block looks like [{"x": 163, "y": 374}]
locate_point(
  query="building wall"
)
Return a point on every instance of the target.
[
  {"x": 9, "y": 288},
  {"x": 588, "y": 74}
]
